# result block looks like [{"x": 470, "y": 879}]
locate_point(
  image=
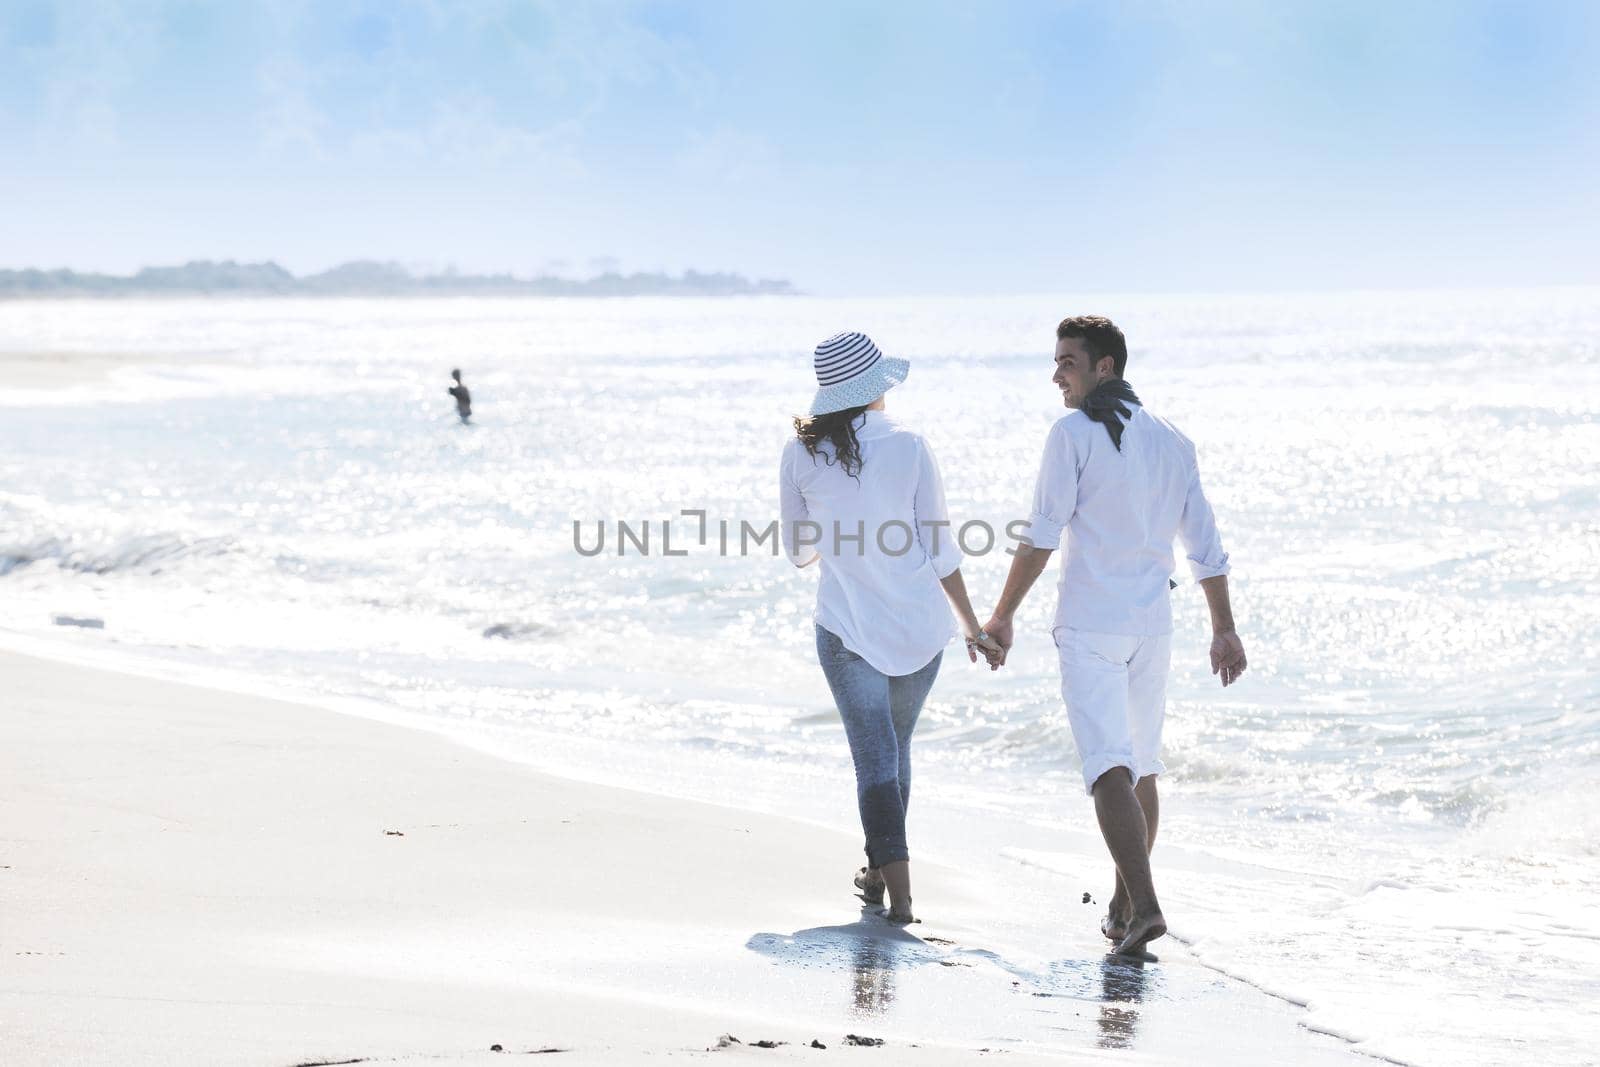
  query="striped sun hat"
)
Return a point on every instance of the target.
[{"x": 851, "y": 372}]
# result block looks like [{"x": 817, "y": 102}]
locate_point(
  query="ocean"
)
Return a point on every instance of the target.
[{"x": 1389, "y": 820}]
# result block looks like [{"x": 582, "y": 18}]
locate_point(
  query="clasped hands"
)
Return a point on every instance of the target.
[{"x": 994, "y": 641}]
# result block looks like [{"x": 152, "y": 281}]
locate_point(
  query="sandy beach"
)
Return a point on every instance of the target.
[
  {"x": 193, "y": 876},
  {"x": 56, "y": 370},
  {"x": 48, "y": 378}
]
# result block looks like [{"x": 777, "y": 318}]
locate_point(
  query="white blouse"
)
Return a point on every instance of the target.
[{"x": 884, "y": 539}]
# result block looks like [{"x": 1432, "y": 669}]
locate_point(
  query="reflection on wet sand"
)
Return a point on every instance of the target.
[
  {"x": 874, "y": 956},
  {"x": 870, "y": 951},
  {"x": 1122, "y": 983},
  {"x": 872, "y": 975}
]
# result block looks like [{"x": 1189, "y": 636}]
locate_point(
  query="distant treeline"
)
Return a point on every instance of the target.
[{"x": 366, "y": 278}]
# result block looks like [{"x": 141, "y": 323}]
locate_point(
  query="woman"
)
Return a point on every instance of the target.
[{"x": 861, "y": 493}]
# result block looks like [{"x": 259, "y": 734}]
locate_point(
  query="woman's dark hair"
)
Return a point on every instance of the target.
[{"x": 838, "y": 428}]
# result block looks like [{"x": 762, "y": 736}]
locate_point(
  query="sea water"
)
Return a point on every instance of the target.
[{"x": 1390, "y": 819}]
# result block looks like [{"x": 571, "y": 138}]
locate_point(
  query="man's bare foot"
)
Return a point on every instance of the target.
[
  {"x": 901, "y": 918},
  {"x": 1114, "y": 926},
  {"x": 1142, "y": 929}
]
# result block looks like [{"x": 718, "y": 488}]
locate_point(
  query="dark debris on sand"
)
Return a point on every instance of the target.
[
  {"x": 857, "y": 1039},
  {"x": 728, "y": 1041}
]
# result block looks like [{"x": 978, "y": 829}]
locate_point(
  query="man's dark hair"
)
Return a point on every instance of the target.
[
  {"x": 1100, "y": 336},
  {"x": 456, "y": 374}
]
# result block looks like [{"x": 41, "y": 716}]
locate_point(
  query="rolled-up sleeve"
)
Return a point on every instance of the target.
[
  {"x": 1055, "y": 494},
  {"x": 933, "y": 518},
  {"x": 1197, "y": 529},
  {"x": 793, "y": 514}
]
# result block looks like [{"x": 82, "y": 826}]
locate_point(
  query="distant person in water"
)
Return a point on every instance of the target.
[
  {"x": 888, "y": 584},
  {"x": 463, "y": 397},
  {"x": 1121, "y": 484}
]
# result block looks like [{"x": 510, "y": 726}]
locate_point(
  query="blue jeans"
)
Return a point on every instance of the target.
[{"x": 879, "y": 713}]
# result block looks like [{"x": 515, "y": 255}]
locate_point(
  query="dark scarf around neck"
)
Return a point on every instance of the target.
[{"x": 1108, "y": 404}]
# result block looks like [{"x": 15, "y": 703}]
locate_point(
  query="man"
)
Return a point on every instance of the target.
[
  {"x": 1122, "y": 484},
  {"x": 463, "y": 397}
]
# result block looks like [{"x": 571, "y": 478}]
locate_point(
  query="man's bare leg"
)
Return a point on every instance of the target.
[
  {"x": 1127, "y": 835},
  {"x": 1115, "y": 924}
]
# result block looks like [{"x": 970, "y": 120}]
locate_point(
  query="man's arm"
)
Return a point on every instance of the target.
[
  {"x": 1227, "y": 651},
  {"x": 1055, "y": 499},
  {"x": 1197, "y": 528},
  {"x": 1026, "y": 566}
]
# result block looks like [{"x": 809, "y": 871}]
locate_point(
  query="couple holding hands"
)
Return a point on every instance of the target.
[{"x": 1120, "y": 483}]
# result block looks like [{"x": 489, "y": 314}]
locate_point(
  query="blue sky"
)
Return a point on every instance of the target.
[{"x": 852, "y": 147}]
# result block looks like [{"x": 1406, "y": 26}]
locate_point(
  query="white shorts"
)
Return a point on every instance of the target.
[{"x": 1115, "y": 688}]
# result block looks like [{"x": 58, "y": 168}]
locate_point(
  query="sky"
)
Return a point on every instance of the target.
[{"x": 854, "y": 148}]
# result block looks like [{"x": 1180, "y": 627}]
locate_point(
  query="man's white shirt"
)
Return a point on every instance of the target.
[{"x": 1121, "y": 512}]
